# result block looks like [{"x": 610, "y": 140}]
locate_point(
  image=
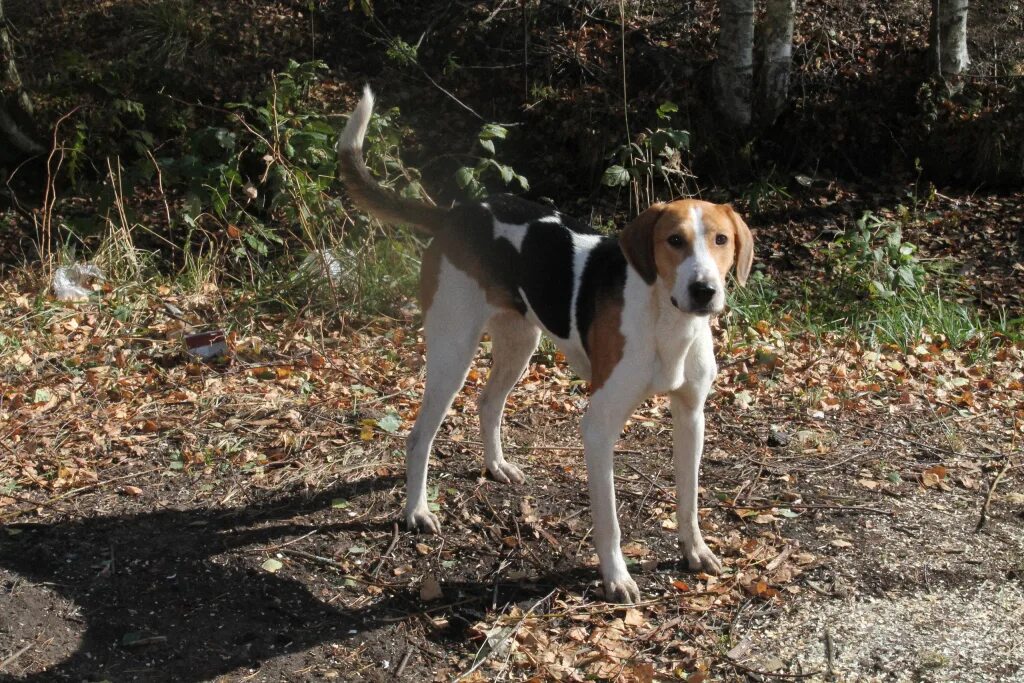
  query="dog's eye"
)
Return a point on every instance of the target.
[
  {"x": 721, "y": 239},
  {"x": 675, "y": 240}
]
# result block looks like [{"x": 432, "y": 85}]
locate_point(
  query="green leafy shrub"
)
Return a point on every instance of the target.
[
  {"x": 653, "y": 161},
  {"x": 262, "y": 188},
  {"x": 472, "y": 179},
  {"x": 873, "y": 260}
]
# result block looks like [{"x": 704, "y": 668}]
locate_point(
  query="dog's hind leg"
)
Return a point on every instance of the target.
[
  {"x": 513, "y": 341},
  {"x": 452, "y": 327}
]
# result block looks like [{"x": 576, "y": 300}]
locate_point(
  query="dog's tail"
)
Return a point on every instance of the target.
[{"x": 366, "y": 192}]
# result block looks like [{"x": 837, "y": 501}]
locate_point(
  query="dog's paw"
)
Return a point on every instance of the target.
[
  {"x": 622, "y": 591},
  {"x": 700, "y": 559},
  {"x": 506, "y": 472},
  {"x": 423, "y": 520}
]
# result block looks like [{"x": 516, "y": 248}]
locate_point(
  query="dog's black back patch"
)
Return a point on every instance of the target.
[
  {"x": 513, "y": 210},
  {"x": 604, "y": 279},
  {"x": 545, "y": 274},
  {"x": 540, "y": 270}
]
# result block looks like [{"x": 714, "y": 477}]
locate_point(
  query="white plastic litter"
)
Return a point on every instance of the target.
[
  {"x": 323, "y": 263},
  {"x": 71, "y": 283}
]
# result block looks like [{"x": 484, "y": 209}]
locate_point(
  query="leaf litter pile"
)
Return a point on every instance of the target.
[{"x": 173, "y": 519}]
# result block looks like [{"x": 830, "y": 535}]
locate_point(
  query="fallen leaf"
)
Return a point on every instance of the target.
[
  {"x": 934, "y": 477},
  {"x": 634, "y": 617},
  {"x": 430, "y": 589}
]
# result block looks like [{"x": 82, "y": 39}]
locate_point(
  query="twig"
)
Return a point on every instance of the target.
[
  {"x": 912, "y": 442},
  {"x": 384, "y": 557},
  {"x": 50, "y": 503},
  {"x": 275, "y": 548},
  {"x": 149, "y": 640},
  {"x": 830, "y": 653},
  {"x": 988, "y": 499},
  {"x": 326, "y": 561},
  {"x": 480, "y": 660},
  {"x": 755, "y": 672},
  {"x": 404, "y": 662},
  {"x": 650, "y": 481},
  {"x": 812, "y": 506},
  {"x": 10, "y": 660},
  {"x": 844, "y": 508},
  {"x": 160, "y": 186}
]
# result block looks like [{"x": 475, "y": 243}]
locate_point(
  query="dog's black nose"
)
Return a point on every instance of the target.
[{"x": 701, "y": 293}]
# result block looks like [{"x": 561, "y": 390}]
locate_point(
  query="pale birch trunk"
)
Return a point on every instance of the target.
[
  {"x": 947, "y": 37},
  {"x": 775, "y": 52},
  {"x": 733, "y": 72}
]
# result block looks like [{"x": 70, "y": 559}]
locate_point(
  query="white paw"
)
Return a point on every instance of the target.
[
  {"x": 423, "y": 520},
  {"x": 700, "y": 559},
  {"x": 623, "y": 591},
  {"x": 506, "y": 472}
]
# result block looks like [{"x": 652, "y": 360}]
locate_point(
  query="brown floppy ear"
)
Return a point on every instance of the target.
[
  {"x": 637, "y": 243},
  {"x": 744, "y": 246}
]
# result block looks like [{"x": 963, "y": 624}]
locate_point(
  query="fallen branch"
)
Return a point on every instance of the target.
[
  {"x": 808, "y": 506},
  {"x": 404, "y": 662},
  {"x": 328, "y": 562},
  {"x": 10, "y": 660},
  {"x": 755, "y": 672},
  {"x": 988, "y": 498},
  {"x": 384, "y": 557}
]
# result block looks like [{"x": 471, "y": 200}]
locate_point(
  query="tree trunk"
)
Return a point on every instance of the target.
[
  {"x": 775, "y": 46},
  {"x": 14, "y": 102},
  {"x": 947, "y": 37},
  {"x": 733, "y": 72}
]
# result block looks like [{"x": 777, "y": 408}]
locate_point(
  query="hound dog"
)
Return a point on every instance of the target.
[{"x": 631, "y": 314}]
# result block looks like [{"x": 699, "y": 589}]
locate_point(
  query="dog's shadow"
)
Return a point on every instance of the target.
[{"x": 159, "y": 601}]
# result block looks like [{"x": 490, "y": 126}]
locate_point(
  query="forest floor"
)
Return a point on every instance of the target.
[{"x": 166, "y": 519}]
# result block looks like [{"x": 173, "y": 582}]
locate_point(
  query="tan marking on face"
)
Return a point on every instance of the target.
[
  {"x": 605, "y": 342},
  {"x": 718, "y": 222},
  {"x": 676, "y": 219}
]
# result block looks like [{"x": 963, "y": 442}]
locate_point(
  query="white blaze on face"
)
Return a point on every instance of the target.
[{"x": 698, "y": 266}]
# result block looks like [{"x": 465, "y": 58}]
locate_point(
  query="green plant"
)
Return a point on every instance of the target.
[
  {"x": 656, "y": 157},
  {"x": 401, "y": 52},
  {"x": 166, "y": 31},
  {"x": 261, "y": 198},
  {"x": 472, "y": 178},
  {"x": 758, "y": 300},
  {"x": 873, "y": 260}
]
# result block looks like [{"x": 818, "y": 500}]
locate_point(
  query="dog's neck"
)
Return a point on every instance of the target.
[{"x": 674, "y": 334}]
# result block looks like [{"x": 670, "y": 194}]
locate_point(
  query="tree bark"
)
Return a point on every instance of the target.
[
  {"x": 14, "y": 101},
  {"x": 775, "y": 41},
  {"x": 733, "y": 71},
  {"x": 947, "y": 37}
]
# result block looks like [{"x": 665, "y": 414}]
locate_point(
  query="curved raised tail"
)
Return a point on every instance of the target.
[{"x": 366, "y": 192}]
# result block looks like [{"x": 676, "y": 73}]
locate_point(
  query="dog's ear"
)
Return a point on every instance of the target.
[
  {"x": 744, "y": 246},
  {"x": 637, "y": 242}
]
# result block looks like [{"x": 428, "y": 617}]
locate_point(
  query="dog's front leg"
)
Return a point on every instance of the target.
[
  {"x": 687, "y": 447},
  {"x": 601, "y": 426}
]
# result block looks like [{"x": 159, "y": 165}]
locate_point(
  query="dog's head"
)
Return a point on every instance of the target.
[{"x": 688, "y": 247}]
